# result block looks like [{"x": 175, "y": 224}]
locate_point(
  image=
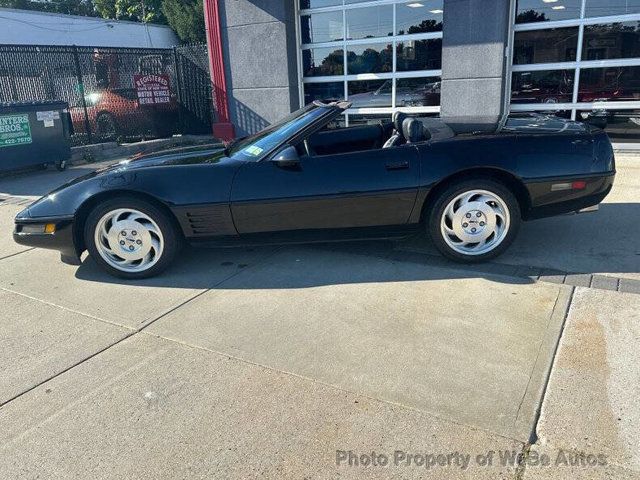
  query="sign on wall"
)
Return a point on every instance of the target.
[
  {"x": 14, "y": 130},
  {"x": 152, "y": 89}
]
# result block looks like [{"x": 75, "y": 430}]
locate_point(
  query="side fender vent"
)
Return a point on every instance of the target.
[{"x": 206, "y": 221}]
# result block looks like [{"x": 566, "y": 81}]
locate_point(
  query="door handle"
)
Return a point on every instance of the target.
[
  {"x": 402, "y": 165},
  {"x": 582, "y": 142}
]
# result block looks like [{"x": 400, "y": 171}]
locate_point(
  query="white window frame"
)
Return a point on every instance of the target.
[
  {"x": 344, "y": 44},
  {"x": 577, "y": 66}
]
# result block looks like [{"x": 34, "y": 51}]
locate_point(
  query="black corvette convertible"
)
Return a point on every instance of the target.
[{"x": 304, "y": 179}]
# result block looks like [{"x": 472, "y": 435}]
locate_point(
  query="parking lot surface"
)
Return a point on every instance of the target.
[{"x": 268, "y": 362}]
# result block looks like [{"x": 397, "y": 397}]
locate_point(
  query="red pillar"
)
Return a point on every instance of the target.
[{"x": 222, "y": 128}]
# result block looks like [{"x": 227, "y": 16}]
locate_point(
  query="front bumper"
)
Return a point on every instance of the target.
[{"x": 62, "y": 239}]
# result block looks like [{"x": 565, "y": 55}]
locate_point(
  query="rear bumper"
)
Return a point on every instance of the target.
[
  {"x": 61, "y": 240},
  {"x": 548, "y": 202}
]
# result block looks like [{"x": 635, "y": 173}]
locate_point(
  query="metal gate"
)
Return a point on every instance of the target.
[{"x": 114, "y": 94}]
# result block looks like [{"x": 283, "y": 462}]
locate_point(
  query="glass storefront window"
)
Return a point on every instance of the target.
[
  {"x": 418, "y": 92},
  {"x": 370, "y": 22},
  {"x": 370, "y": 93},
  {"x": 612, "y": 40},
  {"x": 322, "y": 27},
  {"x": 545, "y": 46},
  {"x": 419, "y": 55},
  {"x": 318, "y": 62},
  {"x": 368, "y": 119},
  {"x": 528, "y": 11},
  {"x": 613, "y": 84},
  {"x": 601, "y": 8},
  {"x": 304, "y": 4},
  {"x": 369, "y": 59},
  {"x": 547, "y": 86},
  {"x": 622, "y": 126},
  {"x": 323, "y": 91},
  {"x": 419, "y": 17},
  {"x": 349, "y": 47}
]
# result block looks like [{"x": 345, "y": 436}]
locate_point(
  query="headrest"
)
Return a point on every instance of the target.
[
  {"x": 398, "y": 119},
  {"x": 413, "y": 130}
]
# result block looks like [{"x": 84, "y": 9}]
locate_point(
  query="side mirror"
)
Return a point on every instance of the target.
[{"x": 287, "y": 158}]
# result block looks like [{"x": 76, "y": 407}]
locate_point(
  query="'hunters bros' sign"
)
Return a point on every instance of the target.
[
  {"x": 152, "y": 89},
  {"x": 14, "y": 130}
]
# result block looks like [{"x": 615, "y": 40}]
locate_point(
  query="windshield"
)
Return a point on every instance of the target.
[{"x": 254, "y": 145}]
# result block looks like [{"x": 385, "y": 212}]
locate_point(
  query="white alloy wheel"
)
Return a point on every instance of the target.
[
  {"x": 129, "y": 240},
  {"x": 475, "y": 222}
]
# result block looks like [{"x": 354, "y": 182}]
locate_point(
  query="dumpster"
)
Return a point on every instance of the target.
[{"x": 34, "y": 134}]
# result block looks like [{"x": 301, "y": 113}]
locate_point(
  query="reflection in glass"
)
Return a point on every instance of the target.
[
  {"x": 541, "y": 11},
  {"x": 419, "y": 55},
  {"x": 370, "y": 93},
  {"x": 609, "y": 84},
  {"x": 323, "y": 91},
  {"x": 621, "y": 125},
  {"x": 418, "y": 92},
  {"x": 319, "y": 3},
  {"x": 612, "y": 40},
  {"x": 369, "y": 59},
  {"x": 368, "y": 119},
  {"x": 370, "y": 22},
  {"x": 601, "y": 8},
  {"x": 419, "y": 17},
  {"x": 321, "y": 27},
  {"x": 550, "y": 86},
  {"x": 545, "y": 46},
  {"x": 317, "y": 62}
]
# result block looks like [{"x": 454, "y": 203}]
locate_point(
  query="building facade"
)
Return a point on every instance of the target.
[{"x": 468, "y": 61}]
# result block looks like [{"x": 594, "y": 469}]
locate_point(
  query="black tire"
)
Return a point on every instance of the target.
[
  {"x": 170, "y": 234},
  {"x": 61, "y": 166},
  {"x": 437, "y": 210}
]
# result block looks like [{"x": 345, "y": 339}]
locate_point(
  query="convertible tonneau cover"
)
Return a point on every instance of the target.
[{"x": 437, "y": 128}]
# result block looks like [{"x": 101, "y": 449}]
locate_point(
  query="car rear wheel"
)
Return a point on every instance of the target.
[
  {"x": 474, "y": 220},
  {"x": 131, "y": 238}
]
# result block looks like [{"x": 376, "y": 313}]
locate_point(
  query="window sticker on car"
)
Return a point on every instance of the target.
[{"x": 253, "y": 150}]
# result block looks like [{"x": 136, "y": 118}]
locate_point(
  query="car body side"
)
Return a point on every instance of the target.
[{"x": 197, "y": 187}]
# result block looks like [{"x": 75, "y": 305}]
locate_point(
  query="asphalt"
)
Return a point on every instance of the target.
[{"x": 301, "y": 362}]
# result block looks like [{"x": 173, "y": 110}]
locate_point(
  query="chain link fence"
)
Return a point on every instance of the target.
[{"x": 114, "y": 94}]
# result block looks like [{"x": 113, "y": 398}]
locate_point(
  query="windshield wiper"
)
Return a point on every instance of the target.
[{"x": 229, "y": 145}]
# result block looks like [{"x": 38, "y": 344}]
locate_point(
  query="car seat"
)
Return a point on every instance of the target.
[
  {"x": 397, "y": 137},
  {"x": 413, "y": 130}
]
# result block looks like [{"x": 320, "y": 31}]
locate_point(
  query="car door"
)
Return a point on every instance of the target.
[{"x": 358, "y": 189}]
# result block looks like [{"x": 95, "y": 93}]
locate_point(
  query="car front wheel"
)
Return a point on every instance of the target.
[
  {"x": 474, "y": 220},
  {"x": 131, "y": 238}
]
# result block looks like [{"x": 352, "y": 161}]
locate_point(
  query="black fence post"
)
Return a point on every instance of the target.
[
  {"x": 76, "y": 61},
  {"x": 176, "y": 61}
]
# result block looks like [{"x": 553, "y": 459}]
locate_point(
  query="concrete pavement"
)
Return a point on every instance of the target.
[
  {"x": 270, "y": 362},
  {"x": 429, "y": 339},
  {"x": 591, "y": 404},
  {"x": 152, "y": 408}
]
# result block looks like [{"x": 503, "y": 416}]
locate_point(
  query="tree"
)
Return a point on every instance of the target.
[
  {"x": 186, "y": 17},
  {"x": 70, "y": 7},
  {"x": 135, "y": 10}
]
